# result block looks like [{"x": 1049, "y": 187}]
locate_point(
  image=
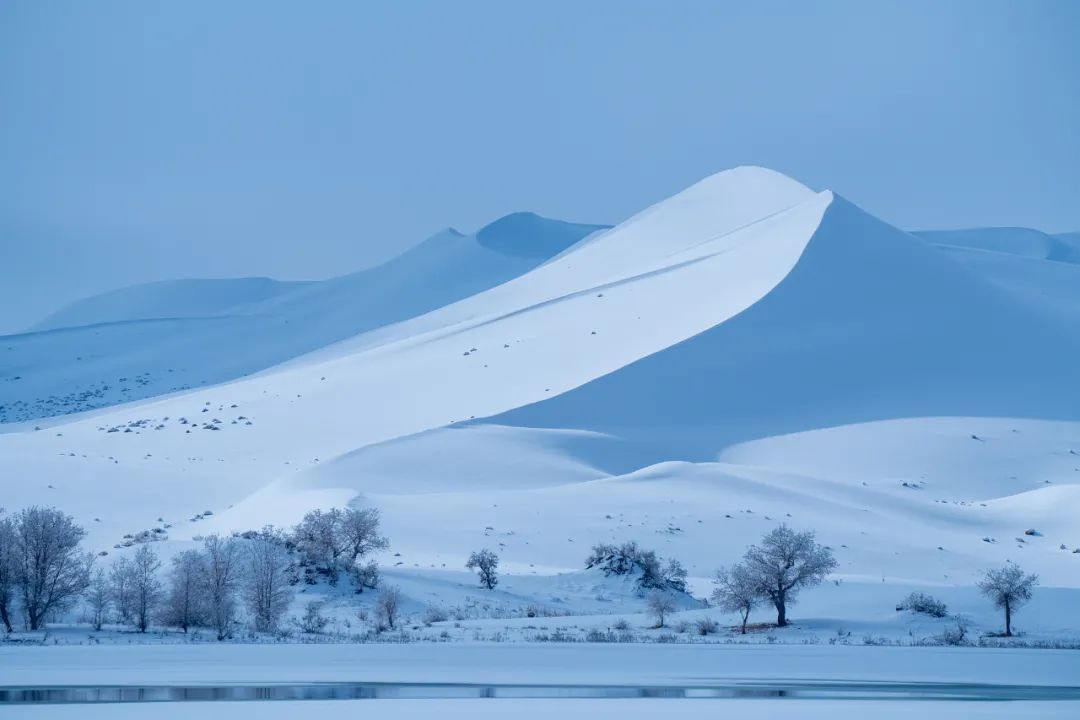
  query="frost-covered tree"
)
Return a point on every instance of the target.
[
  {"x": 335, "y": 541},
  {"x": 661, "y": 604},
  {"x": 359, "y": 534},
  {"x": 1008, "y": 588},
  {"x": 486, "y": 564},
  {"x": 8, "y": 569},
  {"x": 317, "y": 537},
  {"x": 98, "y": 598},
  {"x": 185, "y": 606},
  {"x": 674, "y": 575},
  {"x": 221, "y": 577},
  {"x": 387, "y": 606},
  {"x": 51, "y": 571},
  {"x": 145, "y": 586},
  {"x": 121, "y": 589},
  {"x": 737, "y": 591},
  {"x": 786, "y": 562},
  {"x": 268, "y": 579}
]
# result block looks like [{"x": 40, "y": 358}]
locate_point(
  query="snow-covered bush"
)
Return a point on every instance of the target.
[
  {"x": 313, "y": 622},
  {"x": 365, "y": 576},
  {"x": 629, "y": 559},
  {"x": 435, "y": 614},
  {"x": 955, "y": 636},
  {"x": 706, "y": 626},
  {"x": 918, "y": 602}
]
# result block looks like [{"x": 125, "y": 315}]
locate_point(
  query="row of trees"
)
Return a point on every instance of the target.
[
  {"x": 43, "y": 572},
  {"x": 203, "y": 588},
  {"x": 786, "y": 562}
]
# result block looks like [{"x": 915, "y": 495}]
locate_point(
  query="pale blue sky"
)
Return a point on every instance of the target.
[{"x": 141, "y": 140}]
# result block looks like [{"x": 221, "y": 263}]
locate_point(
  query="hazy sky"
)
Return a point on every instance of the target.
[{"x": 143, "y": 140}]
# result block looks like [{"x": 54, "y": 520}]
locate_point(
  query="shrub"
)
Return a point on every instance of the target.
[
  {"x": 956, "y": 635},
  {"x": 706, "y": 626},
  {"x": 435, "y": 614},
  {"x": 365, "y": 575},
  {"x": 313, "y": 622},
  {"x": 918, "y": 602},
  {"x": 628, "y": 558}
]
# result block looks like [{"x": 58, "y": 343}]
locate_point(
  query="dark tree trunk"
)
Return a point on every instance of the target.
[
  {"x": 34, "y": 618},
  {"x": 6, "y": 617},
  {"x": 745, "y": 616},
  {"x": 781, "y": 609},
  {"x": 1008, "y": 620}
]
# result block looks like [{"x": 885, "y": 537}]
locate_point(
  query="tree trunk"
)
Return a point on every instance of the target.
[
  {"x": 781, "y": 610},
  {"x": 745, "y": 615},
  {"x": 6, "y": 617},
  {"x": 1008, "y": 620}
]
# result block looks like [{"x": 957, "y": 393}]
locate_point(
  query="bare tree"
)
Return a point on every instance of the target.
[
  {"x": 661, "y": 605},
  {"x": 121, "y": 589},
  {"x": 387, "y": 606},
  {"x": 359, "y": 534},
  {"x": 8, "y": 568},
  {"x": 737, "y": 591},
  {"x": 1009, "y": 589},
  {"x": 785, "y": 563},
  {"x": 99, "y": 598},
  {"x": 145, "y": 586},
  {"x": 486, "y": 563},
  {"x": 51, "y": 571},
  {"x": 184, "y": 604},
  {"x": 221, "y": 574},
  {"x": 269, "y": 578}
]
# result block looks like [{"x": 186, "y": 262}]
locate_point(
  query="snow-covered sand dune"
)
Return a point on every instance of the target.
[
  {"x": 744, "y": 353},
  {"x": 166, "y": 337}
]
